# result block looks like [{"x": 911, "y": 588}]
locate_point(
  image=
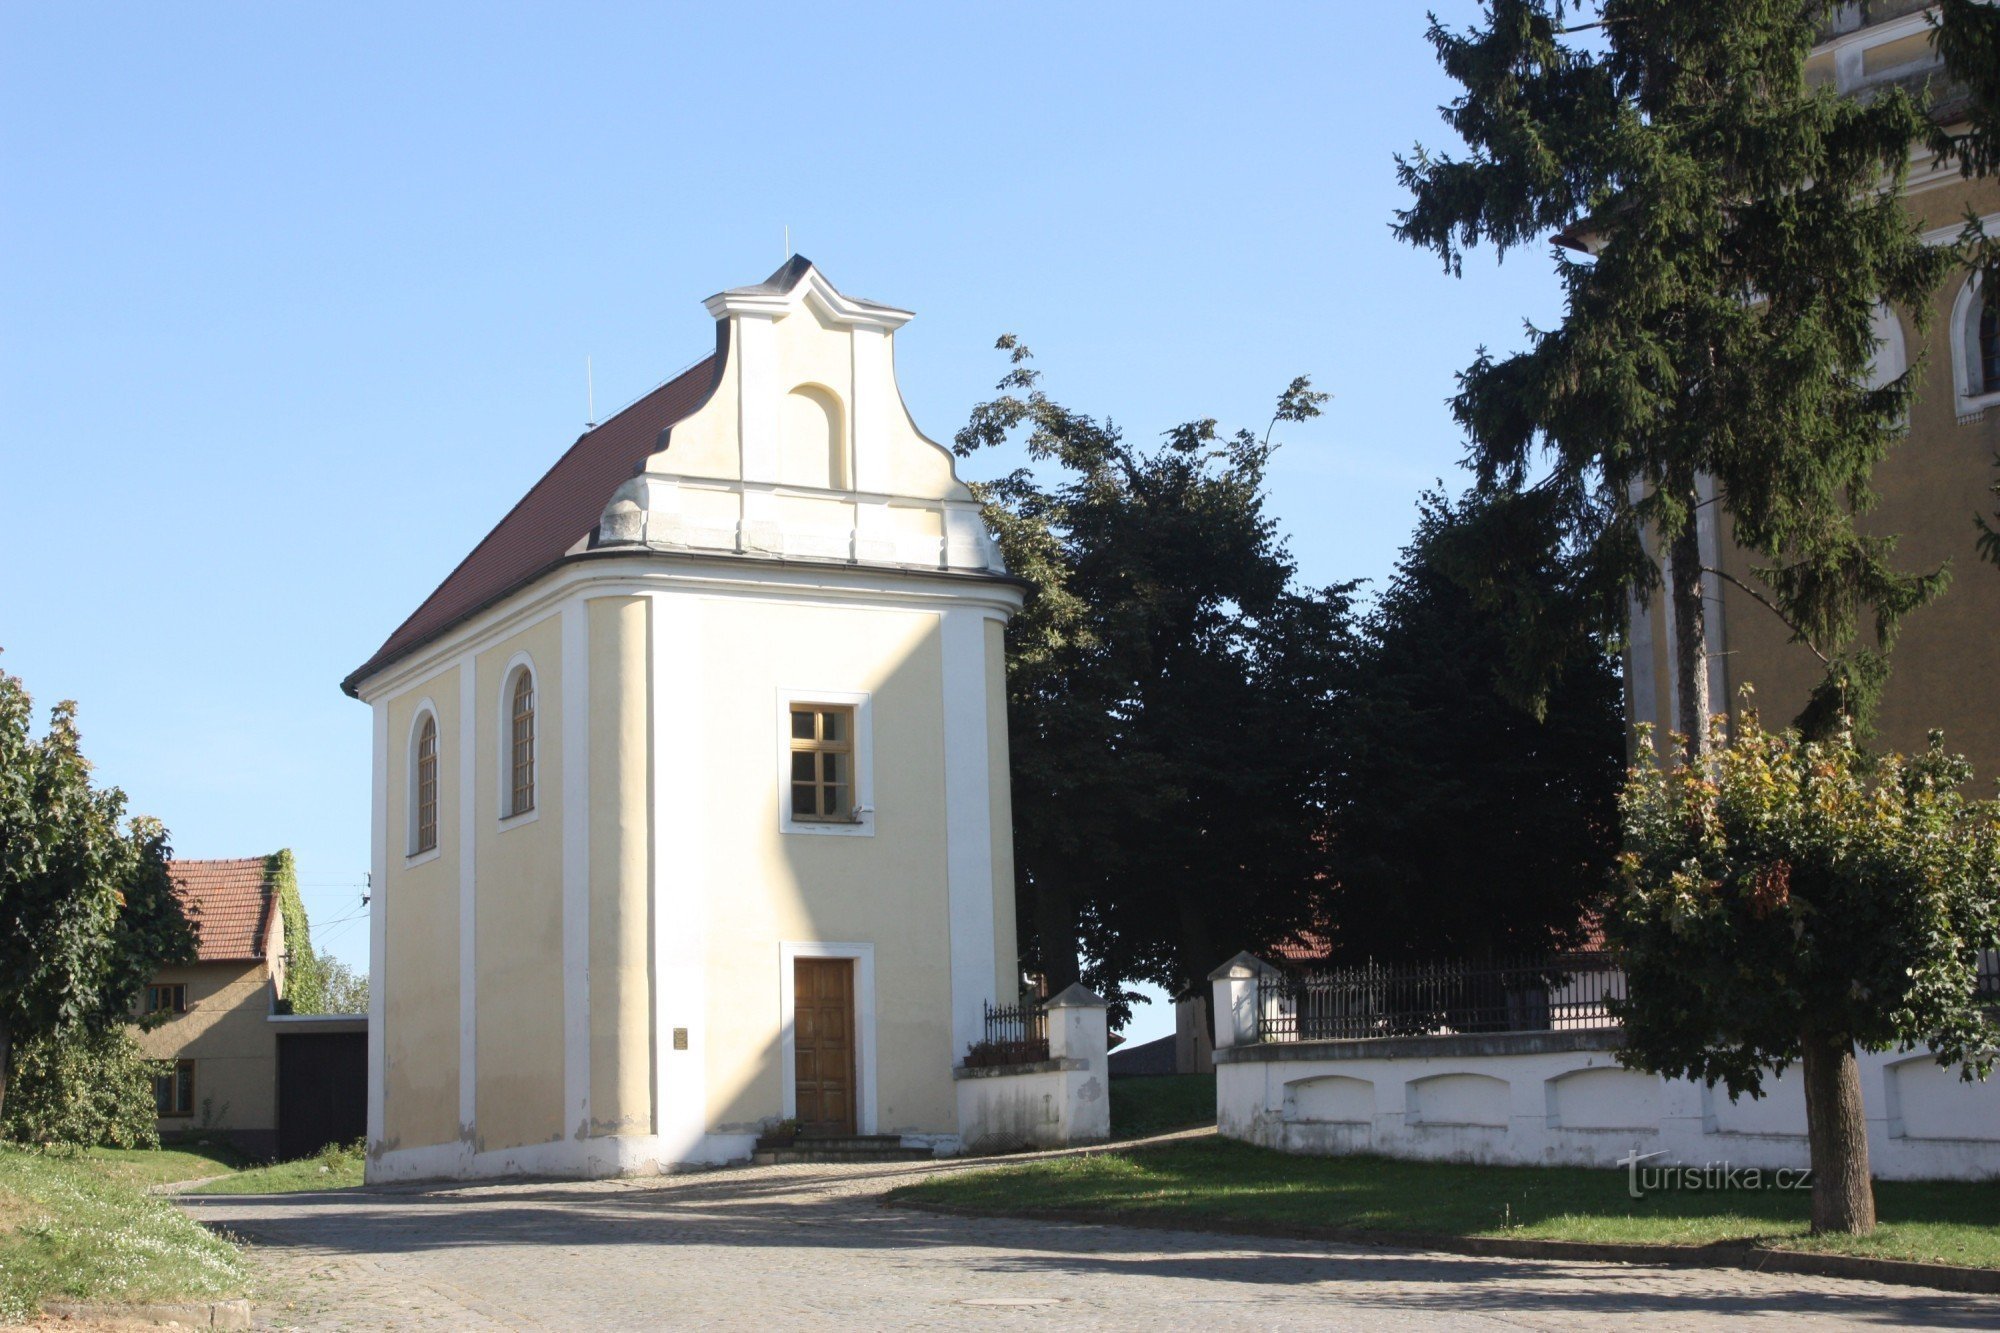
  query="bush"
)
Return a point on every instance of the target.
[{"x": 83, "y": 1089}]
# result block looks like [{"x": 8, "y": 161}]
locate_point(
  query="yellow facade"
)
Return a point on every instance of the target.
[
  {"x": 1947, "y": 658},
  {"x": 602, "y": 985},
  {"x": 227, "y": 1033}
]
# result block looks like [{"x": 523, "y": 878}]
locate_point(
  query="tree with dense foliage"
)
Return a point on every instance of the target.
[
  {"x": 1719, "y": 330},
  {"x": 1171, "y": 692},
  {"x": 88, "y": 913},
  {"x": 1471, "y": 825},
  {"x": 1792, "y": 900},
  {"x": 82, "y": 1086},
  {"x": 1967, "y": 35}
]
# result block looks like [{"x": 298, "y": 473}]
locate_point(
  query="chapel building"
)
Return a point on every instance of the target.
[{"x": 691, "y": 809}]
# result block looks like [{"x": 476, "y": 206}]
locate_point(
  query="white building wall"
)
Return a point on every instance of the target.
[{"x": 1545, "y": 1099}]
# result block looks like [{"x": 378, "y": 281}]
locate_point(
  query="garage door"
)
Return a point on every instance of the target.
[{"x": 322, "y": 1090}]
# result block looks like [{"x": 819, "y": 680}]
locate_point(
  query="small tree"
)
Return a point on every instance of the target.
[
  {"x": 88, "y": 912},
  {"x": 1793, "y": 900}
]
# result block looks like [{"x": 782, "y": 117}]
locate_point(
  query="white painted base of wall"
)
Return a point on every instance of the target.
[
  {"x": 1554, "y": 1101},
  {"x": 1053, "y": 1104},
  {"x": 563, "y": 1159}
]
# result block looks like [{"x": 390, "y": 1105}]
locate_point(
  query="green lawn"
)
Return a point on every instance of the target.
[
  {"x": 1219, "y": 1182},
  {"x": 163, "y": 1166},
  {"x": 334, "y": 1168},
  {"x": 1156, "y": 1103},
  {"x": 81, "y": 1227}
]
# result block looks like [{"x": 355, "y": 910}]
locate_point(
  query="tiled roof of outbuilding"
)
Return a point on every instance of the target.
[
  {"x": 234, "y": 905},
  {"x": 555, "y": 514}
]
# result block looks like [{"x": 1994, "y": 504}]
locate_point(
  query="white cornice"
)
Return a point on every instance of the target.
[
  {"x": 709, "y": 575},
  {"x": 768, "y": 303}
]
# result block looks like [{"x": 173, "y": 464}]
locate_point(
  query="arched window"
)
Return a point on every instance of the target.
[
  {"x": 1975, "y": 347},
  {"x": 520, "y": 773},
  {"x": 1989, "y": 343},
  {"x": 426, "y": 786}
]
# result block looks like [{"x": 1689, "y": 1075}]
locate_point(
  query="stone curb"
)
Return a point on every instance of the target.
[
  {"x": 1756, "y": 1259},
  {"x": 196, "y": 1314}
]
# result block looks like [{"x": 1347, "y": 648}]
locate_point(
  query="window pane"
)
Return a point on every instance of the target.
[
  {"x": 836, "y": 802},
  {"x": 835, "y": 729},
  {"x": 802, "y": 766},
  {"x": 833, "y": 768},
  {"x": 186, "y": 1099},
  {"x": 805, "y": 800},
  {"x": 802, "y": 724},
  {"x": 163, "y": 1094}
]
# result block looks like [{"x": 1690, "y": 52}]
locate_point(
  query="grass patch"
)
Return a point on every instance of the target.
[
  {"x": 1158, "y": 1103},
  {"x": 1217, "y": 1182},
  {"x": 79, "y": 1226},
  {"x": 162, "y": 1166},
  {"x": 337, "y": 1167}
]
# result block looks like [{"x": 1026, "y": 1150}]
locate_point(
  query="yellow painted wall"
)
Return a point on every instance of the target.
[
  {"x": 621, "y": 1014},
  {"x": 1946, "y": 664},
  {"x": 518, "y": 911},
  {"x": 420, "y": 1014},
  {"x": 226, "y": 1033},
  {"x": 1000, "y": 797},
  {"x": 888, "y": 890}
]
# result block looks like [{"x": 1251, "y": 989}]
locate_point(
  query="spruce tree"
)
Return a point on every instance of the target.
[{"x": 1735, "y": 230}]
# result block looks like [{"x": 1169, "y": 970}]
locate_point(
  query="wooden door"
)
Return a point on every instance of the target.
[{"x": 823, "y": 1044}]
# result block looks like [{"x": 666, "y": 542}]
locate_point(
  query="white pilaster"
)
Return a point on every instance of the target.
[
  {"x": 468, "y": 920},
  {"x": 968, "y": 825},
  {"x": 754, "y": 340},
  {"x": 679, "y": 864},
  {"x": 378, "y": 924},
  {"x": 875, "y": 397},
  {"x": 576, "y": 866}
]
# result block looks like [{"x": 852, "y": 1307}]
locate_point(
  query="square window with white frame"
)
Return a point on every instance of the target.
[{"x": 822, "y": 768}]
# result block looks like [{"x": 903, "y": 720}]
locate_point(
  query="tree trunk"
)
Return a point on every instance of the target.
[
  {"x": 1690, "y": 634},
  {"x": 1197, "y": 955},
  {"x": 1843, "y": 1199},
  {"x": 1055, "y": 935}
]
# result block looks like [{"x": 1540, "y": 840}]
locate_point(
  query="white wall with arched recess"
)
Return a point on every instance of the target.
[
  {"x": 1457, "y": 1099},
  {"x": 1606, "y": 1097},
  {"x": 1927, "y": 1100},
  {"x": 812, "y": 439},
  {"x": 1331, "y": 1099},
  {"x": 1781, "y": 1110}
]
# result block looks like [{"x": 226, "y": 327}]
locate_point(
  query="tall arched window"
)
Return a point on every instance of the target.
[
  {"x": 426, "y": 838},
  {"x": 1975, "y": 347},
  {"x": 1989, "y": 343},
  {"x": 521, "y": 743}
]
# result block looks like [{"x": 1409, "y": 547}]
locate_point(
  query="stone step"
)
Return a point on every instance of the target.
[{"x": 859, "y": 1148}]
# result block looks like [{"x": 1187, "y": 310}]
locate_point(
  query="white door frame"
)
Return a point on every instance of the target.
[{"x": 863, "y": 956}]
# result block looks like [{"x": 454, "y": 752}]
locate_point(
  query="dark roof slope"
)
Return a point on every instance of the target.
[
  {"x": 234, "y": 903},
  {"x": 553, "y": 516}
]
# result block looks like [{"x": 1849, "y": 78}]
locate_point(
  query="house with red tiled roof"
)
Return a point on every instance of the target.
[
  {"x": 691, "y": 798},
  {"x": 219, "y": 1019}
]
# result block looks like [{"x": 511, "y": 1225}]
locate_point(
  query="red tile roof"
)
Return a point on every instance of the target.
[
  {"x": 556, "y": 513},
  {"x": 234, "y": 905}
]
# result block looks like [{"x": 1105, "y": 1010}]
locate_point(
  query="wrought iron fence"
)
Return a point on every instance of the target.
[
  {"x": 1016, "y": 1034},
  {"x": 1565, "y": 992},
  {"x": 1560, "y": 992}
]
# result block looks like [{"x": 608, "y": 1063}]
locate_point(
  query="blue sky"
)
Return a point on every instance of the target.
[{"x": 296, "y": 302}]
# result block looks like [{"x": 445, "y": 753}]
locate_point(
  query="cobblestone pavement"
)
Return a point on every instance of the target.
[{"x": 784, "y": 1247}]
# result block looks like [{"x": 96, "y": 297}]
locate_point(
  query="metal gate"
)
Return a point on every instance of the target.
[{"x": 322, "y": 1091}]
